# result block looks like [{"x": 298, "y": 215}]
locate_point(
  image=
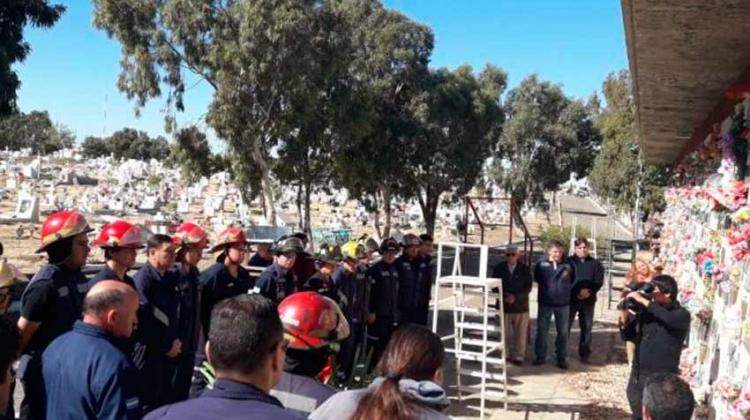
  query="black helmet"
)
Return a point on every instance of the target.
[
  {"x": 410, "y": 239},
  {"x": 289, "y": 244},
  {"x": 389, "y": 244}
]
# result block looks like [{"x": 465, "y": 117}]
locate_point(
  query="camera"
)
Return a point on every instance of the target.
[{"x": 645, "y": 289}]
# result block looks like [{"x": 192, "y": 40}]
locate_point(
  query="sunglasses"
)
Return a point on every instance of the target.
[{"x": 510, "y": 255}]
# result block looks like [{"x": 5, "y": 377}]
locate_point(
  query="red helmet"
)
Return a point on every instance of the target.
[
  {"x": 230, "y": 235},
  {"x": 190, "y": 234},
  {"x": 61, "y": 225},
  {"x": 120, "y": 234},
  {"x": 312, "y": 321}
]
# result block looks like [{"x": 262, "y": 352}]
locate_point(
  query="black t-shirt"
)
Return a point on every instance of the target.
[
  {"x": 257, "y": 261},
  {"x": 54, "y": 298}
]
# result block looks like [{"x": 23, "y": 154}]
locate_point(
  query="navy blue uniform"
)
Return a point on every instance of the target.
[
  {"x": 227, "y": 400},
  {"x": 301, "y": 394},
  {"x": 275, "y": 283},
  {"x": 54, "y": 298},
  {"x": 384, "y": 304},
  {"x": 216, "y": 284},
  {"x": 157, "y": 330},
  {"x": 188, "y": 329},
  {"x": 257, "y": 261},
  {"x": 97, "y": 382},
  {"x": 413, "y": 289},
  {"x": 354, "y": 287},
  {"x": 107, "y": 274}
]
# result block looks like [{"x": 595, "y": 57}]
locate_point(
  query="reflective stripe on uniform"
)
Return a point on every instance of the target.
[
  {"x": 296, "y": 402},
  {"x": 161, "y": 316},
  {"x": 132, "y": 403}
]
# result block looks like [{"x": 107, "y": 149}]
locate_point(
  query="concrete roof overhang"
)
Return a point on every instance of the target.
[{"x": 684, "y": 55}]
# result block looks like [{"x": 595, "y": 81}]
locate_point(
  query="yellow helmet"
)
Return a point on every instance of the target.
[
  {"x": 9, "y": 274},
  {"x": 353, "y": 250}
]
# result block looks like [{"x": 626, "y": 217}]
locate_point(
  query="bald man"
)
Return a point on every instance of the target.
[{"x": 87, "y": 373}]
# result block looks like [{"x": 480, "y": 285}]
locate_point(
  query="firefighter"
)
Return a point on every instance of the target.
[
  {"x": 157, "y": 341},
  {"x": 384, "y": 314},
  {"x": 120, "y": 241},
  {"x": 224, "y": 279},
  {"x": 189, "y": 240},
  {"x": 278, "y": 280},
  {"x": 353, "y": 285},
  {"x": 414, "y": 288},
  {"x": 313, "y": 326},
  {"x": 321, "y": 281},
  {"x": 52, "y": 301},
  {"x": 304, "y": 264}
]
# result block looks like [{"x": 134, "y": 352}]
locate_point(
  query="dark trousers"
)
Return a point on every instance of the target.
[
  {"x": 543, "y": 321},
  {"x": 585, "y": 311},
  {"x": 33, "y": 404},
  {"x": 635, "y": 392},
  {"x": 415, "y": 315},
  {"x": 379, "y": 335},
  {"x": 181, "y": 372},
  {"x": 349, "y": 349}
]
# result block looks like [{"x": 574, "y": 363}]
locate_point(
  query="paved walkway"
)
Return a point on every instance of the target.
[{"x": 542, "y": 392}]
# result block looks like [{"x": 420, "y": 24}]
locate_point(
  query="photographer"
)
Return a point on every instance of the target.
[{"x": 658, "y": 325}]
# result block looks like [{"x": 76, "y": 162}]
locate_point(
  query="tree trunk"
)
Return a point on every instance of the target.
[
  {"x": 307, "y": 227},
  {"x": 301, "y": 221},
  {"x": 428, "y": 204},
  {"x": 376, "y": 221},
  {"x": 388, "y": 211},
  {"x": 269, "y": 201}
]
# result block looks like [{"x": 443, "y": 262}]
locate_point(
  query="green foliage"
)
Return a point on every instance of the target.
[
  {"x": 15, "y": 15},
  {"x": 154, "y": 180},
  {"x": 192, "y": 153},
  {"x": 546, "y": 137},
  {"x": 94, "y": 147},
  {"x": 459, "y": 119},
  {"x": 615, "y": 173},
  {"x": 562, "y": 234},
  {"x": 34, "y": 130},
  {"x": 127, "y": 143}
]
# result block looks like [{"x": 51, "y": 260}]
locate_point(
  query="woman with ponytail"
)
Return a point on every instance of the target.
[{"x": 408, "y": 386}]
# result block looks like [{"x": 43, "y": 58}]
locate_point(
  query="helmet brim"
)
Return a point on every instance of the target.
[{"x": 43, "y": 248}]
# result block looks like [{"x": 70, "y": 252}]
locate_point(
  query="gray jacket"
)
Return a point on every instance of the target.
[{"x": 430, "y": 396}]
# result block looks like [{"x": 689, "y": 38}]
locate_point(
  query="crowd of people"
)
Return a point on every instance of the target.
[
  {"x": 175, "y": 342},
  {"x": 116, "y": 346}
]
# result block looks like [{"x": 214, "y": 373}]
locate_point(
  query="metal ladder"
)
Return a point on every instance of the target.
[{"x": 478, "y": 333}]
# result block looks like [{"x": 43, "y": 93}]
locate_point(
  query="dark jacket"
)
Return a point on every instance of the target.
[
  {"x": 659, "y": 332},
  {"x": 107, "y": 274},
  {"x": 157, "y": 317},
  {"x": 301, "y": 394},
  {"x": 276, "y": 284},
  {"x": 303, "y": 269},
  {"x": 555, "y": 282},
  {"x": 54, "y": 298},
  {"x": 188, "y": 293},
  {"x": 257, "y": 261},
  {"x": 227, "y": 400},
  {"x": 384, "y": 291},
  {"x": 216, "y": 284},
  {"x": 413, "y": 286},
  {"x": 589, "y": 274},
  {"x": 87, "y": 375},
  {"x": 517, "y": 284},
  {"x": 354, "y": 287}
]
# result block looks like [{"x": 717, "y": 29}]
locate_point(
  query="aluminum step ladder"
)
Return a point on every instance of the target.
[{"x": 478, "y": 326}]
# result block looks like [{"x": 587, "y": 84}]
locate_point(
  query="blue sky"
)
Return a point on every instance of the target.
[{"x": 73, "y": 67}]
